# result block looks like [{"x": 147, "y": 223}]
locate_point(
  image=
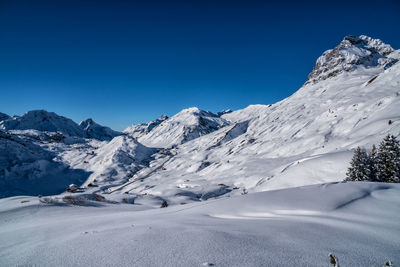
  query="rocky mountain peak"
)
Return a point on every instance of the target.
[
  {"x": 86, "y": 122},
  {"x": 351, "y": 53}
]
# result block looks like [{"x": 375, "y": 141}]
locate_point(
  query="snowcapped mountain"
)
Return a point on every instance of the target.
[
  {"x": 45, "y": 121},
  {"x": 138, "y": 130},
  {"x": 352, "y": 53},
  {"x": 185, "y": 126},
  {"x": 42, "y": 120},
  {"x": 306, "y": 138},
  {"x": 93, "y": 130},
  {"x": 352, "y": 98}
]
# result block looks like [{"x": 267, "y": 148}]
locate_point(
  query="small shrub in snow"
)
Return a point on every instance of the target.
[
  {"x": 128, "y": 200},
  {"x": 99, "y": 198},
  {"x": 164, "y": 204},
  {"x": 333, "y": 260}
]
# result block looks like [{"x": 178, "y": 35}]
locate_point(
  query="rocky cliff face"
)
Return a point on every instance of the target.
[{"x": 353, "y": 52}]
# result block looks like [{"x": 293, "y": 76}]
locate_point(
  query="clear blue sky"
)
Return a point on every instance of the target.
[{"x": 124, "y": 62}]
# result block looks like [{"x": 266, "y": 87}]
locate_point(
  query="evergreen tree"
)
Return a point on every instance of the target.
[
  {"x": 388, "y": 160},
  {"x": 359, "y": 169},
  {"x": 373, "y": 170}
]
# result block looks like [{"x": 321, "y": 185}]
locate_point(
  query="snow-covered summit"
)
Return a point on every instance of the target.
[
  {"x": 351, "y": 53},
  {"x": 42, "y": 120},
  {"x": 187, "y": 125},
  {"x": 137, "y": 130},
  {"x": 97, "y": 131}
]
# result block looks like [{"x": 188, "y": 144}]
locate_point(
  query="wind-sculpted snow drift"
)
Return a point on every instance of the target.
[
  {"x": 358, "y": 222},
  {"x": 349, "y": 99}
]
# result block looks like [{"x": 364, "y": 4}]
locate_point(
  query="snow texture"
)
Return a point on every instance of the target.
[{"x": 356, "y": 221}]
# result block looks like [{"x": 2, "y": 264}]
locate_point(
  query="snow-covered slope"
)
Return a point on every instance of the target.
[
  {"x": 42, "y": 120},
  {"x": 110, "y": 163},
  {"x": 28, "y": 169},
  {"x": 185, "y": 126},
  {"x": 358, "y": 222},
  {"x": 93, "y": 130}
]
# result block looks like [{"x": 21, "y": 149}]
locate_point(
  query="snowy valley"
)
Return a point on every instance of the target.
[{"x": 248, "y": 178}]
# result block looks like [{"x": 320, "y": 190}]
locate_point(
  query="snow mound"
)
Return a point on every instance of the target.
[{"x": 117, "y": 161}]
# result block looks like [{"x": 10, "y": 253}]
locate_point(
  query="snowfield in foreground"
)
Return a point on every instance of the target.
[{"x": 358, "y": 222}]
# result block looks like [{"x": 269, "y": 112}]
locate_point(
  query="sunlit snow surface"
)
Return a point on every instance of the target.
[{"x": 358, "y": 222}]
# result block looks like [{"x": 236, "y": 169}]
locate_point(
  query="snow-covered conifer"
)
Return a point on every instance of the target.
[
  {"x": 388, "y": 160},
  {"x": 359, "y": 169},
  {"x": 373, "y": 157}
]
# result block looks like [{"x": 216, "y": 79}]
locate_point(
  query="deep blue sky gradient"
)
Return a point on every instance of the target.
[{"x": 124, "y": 62}]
